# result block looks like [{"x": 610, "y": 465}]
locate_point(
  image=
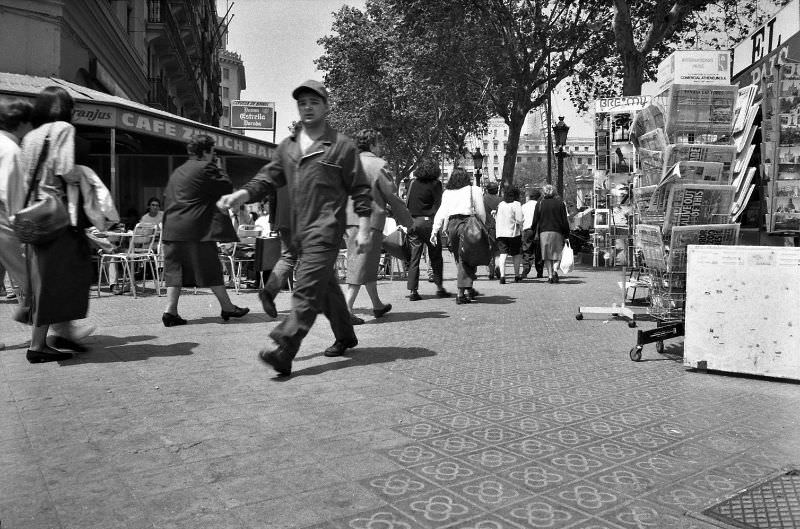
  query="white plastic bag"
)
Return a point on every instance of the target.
[{"x": 567, "y": 259}]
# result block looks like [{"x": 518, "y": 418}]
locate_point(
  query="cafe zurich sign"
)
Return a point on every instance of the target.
[{"x": 252, "y": 115}]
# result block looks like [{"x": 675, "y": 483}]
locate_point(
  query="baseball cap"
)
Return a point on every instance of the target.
[{"x": 314, "y": 86}]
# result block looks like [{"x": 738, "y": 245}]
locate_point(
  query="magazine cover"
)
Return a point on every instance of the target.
[
  {"x": 655, "y": 140},
  {"x": 651, "y": 166},
  {"x": 648, "y": 241},
  {"x": 693, "y": 204},
  {"x": 744, "y": 100},
  {"x": 725, "y": 154},
  {"x": 709, "y": 234},
  {"x": 700, "y": 111}
]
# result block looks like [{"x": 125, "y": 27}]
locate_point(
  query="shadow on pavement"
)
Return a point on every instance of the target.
[
  {"x": 250, "y": 317},
  {"x": 394, "y": 317},
  {"x": 570, "y": 281},
  {"x": 105, "y": 349},
  {"x": 360, "y": 357},
  {"x": 494, "y": 300}
]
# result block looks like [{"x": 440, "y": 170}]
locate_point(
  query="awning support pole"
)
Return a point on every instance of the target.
[{"x": 113, "y": 168}]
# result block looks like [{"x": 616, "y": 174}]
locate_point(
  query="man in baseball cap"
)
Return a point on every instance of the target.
[
  {"x": 311, "y": 86},
  {"x": 319, "y": 168}
]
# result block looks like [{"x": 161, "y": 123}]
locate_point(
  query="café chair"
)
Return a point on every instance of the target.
[{"x": 138, "y": 251}]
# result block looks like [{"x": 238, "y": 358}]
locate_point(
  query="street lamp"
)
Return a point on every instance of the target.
[
  {"x": 477, "y": 163},
  {"x": 560, "y": 131}
]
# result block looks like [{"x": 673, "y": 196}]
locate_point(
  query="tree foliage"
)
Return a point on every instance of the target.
[
  {"x": 381, "y": 76},
  {"x": 515, "y": 49},
  {"x": 643, "y": 32}
]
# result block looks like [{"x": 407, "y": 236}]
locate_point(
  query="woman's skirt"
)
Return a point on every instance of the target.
[
  {"x": 60, "y": 279},
  {"x": 192, "y": 264},
  {"x": 551, "y": 243},
  {"x": 362, "y": 268}
]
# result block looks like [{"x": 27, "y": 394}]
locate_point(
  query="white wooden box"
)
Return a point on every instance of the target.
[{"x": 743, "y": 310}]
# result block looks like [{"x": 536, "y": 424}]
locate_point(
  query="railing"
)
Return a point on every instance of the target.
[
  {"x": 154, "y": 11},
  {"x": 157, "y": 95}
]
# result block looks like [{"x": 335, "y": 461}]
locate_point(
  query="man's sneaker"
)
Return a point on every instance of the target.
[{"x": 414, "y": 296}]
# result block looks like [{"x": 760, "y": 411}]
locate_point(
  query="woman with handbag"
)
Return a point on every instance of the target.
[
  {"x": 460, "y": 201},
  {"x": 551, "y": 224},
  {"x": 58, "y": 255}
]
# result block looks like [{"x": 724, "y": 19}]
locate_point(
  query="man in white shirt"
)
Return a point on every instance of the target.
[{"x": 531, "y": 253}]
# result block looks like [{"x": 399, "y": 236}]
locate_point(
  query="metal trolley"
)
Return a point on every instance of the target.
[{"x": 666, "y": 281}]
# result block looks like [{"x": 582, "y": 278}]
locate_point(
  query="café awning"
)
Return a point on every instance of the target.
[{"x": 98, "y": 109}]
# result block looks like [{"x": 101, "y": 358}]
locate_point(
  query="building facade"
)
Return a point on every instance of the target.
[
  {"x": 145, "y": 75},
  {"x": 232, "y": 84}
]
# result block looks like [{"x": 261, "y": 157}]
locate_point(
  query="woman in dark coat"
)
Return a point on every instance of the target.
[
  {"x": 551, "y": 224},
  {"x": 192, "y": 227}
]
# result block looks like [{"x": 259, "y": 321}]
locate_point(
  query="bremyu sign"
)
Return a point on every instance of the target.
[{"x": 252, "y": 115}]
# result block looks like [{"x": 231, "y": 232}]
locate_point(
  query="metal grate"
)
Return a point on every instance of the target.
[{"x": 772, "y": 504}]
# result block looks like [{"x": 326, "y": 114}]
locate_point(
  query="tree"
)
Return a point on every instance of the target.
[
  {"x": 516, "y": 49},
  {"x": 643, "y": 33},
  {"x": 381, "y": 76}
]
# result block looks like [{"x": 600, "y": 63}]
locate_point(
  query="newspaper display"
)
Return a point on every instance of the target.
[
  {"x": 651, "y": 165},
  {"x": 683, "y": 236},
  {"x": 783, "y": 212},
  {"x": 698, "y": 114},
  {"x": 648, "y": 241},
  {"x": 744, "y": 101},
  {"x": 693, "y": 204},
  {"x": 725, "y": 154}
]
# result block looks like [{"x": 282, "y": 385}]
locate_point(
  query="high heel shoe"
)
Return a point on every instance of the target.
[{"x": 237, "y": 312}]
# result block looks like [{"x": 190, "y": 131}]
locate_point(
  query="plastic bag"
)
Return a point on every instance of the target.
[{"x": 567, "y": 263}]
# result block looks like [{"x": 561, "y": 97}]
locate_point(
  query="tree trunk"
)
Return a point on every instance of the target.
[
  {"x": 633, "y": 73},
  {"x": 512, "y": 145}
]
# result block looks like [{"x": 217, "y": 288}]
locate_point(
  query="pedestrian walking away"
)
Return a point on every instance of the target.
[
  {"x": 321, "y": 168},
  {"x": 362, "y": 267},
  {"x": 192, "y": 227},
  {"x": 509, "y": 232},
  {"x": 531, "y": 251},
  {"x": 459, "y": 201},
  {"x": 424, "y": 198},
  {"x": 551, "y": 225},
  {"x": 490, "y": 202}
]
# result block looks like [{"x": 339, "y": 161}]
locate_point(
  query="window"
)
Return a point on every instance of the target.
[
  {"x": 485, "y": 146},
  {"x": 226, "y": 111},
  {"x": 495, "y": 158},
  {"x": 226, "y": 92},
  {"x": 505, "y": 132},
  {"x": 580, "y": 161},
  {"x": 495, "y": 132},
  {"x": 527, "y": 147},
  {"x": 539, "y": 159},
  {"x": 589, "y": 160},
  {"x": 226, "y": 73},
  {"x": 495, "y": 146},
  {"x": 586, "y": 148},
  {"x": 505, "y": 145},
  {"x": 519, "y": 159}
]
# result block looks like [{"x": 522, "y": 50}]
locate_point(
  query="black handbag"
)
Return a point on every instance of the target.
[
  {"x": 47, "y": 218},
  {"x": 395, "y": 244},
  {"x": 475, "y": 245}
]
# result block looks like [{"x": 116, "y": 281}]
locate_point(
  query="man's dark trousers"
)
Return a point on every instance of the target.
[
  {"x": 531, "y": 254},
  {"x": 316, "y": 290},
  {"x": 418, "y": 238},
  {"x": 283, "y": 269}
]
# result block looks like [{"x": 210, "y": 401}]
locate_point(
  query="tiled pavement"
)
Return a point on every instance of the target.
[{"x": 507, "y": 413}]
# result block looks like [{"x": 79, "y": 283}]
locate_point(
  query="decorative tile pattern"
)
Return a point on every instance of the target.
[
  {"x": 420, "y": 430},
  {"x": 490, "y": 492},
  {"x": 382, "y": 518},
  {"x": 536, "y": 477},
  {"x": 438, "y": 508},
  {"x": 540, "y": 512},
  {"x": 412, "y": 454},
  {"x": 395, "y": 486},
  {"x": 588, "y": 497},
  {"x": 493, "y": 459},
  {"x": 446, "y": 472},
  {"x": 454, "y": 444}
]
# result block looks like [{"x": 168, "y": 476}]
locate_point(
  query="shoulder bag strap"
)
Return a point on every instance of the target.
[
  {"x": 471, "y": 201},
  {"x": 35, "y": 182}
]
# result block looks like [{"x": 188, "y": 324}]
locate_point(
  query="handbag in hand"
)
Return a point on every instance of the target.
[
  {"x": 475, "y": 247},
  {"x": 395, "y": 244},
  {"x": 46, "y": 218}
]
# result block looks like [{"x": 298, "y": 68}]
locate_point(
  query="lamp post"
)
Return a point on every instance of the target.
[
  {"x": 477, "y": 163},
  {"x": 560, "y": 131}
]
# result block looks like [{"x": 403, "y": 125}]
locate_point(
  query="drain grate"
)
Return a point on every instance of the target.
[{"x": 772, "y": 504}]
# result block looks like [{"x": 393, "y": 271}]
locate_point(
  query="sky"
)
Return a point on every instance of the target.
[{"x": 277, "y": 40}]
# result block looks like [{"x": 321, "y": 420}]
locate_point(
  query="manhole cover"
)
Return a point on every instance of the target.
[{"x": 772, "y": 504}]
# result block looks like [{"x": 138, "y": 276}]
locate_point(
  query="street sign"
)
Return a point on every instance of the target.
[{"x": 252, "y": 115}]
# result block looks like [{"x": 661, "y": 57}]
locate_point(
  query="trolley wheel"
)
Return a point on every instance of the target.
[
  {"x": 636, "y": 353},
  {"x": 632, "y": 324},
  {"x": 579, "y": 316},
  {"x": 660, "y": 347}
]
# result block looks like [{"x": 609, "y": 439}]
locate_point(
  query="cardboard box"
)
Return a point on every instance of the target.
[{"x": 700, "y": 67}]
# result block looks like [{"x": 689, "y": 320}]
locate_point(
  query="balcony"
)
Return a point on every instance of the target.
[
  {"x": 166, "y": 40},
  {"x": 157, "y": 96}
]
